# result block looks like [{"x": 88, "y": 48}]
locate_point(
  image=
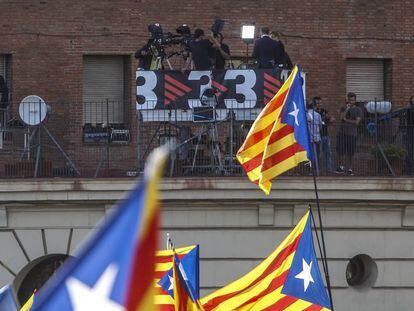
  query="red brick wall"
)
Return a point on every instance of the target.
[{"x": 47, "y": 40}]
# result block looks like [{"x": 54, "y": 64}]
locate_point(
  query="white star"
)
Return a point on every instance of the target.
[
  {"x": 305, "y": 275},
  {"x": 171, "y": 282},
  {"x": 294, "y": 113},
  {"x": 85, "y": 298}
]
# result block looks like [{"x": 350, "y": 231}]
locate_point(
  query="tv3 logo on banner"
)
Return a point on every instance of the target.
[{"x": 174, "y": 92}]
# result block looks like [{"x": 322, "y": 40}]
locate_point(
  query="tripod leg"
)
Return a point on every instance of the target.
[
  {"x": 218, "y": 152},
  {"x": 169, "y": 64},
  {"x": 157, "y": 131},
  {"x": 101, "y": 161},
  {"x": 61, "y": 150},
  {"x": 386, "y": 159},
  {"x": 195, "y": 153},
  {"x": 37, "y": 161},
  {"x": 27, "y": 142}
]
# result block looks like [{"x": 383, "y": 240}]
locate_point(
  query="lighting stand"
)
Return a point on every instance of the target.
[{"x": 379, "y": 147}]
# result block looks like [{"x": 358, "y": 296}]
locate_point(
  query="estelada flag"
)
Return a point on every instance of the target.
[
  {"x": 184, "y": 297},
  {"x": 164, "y": 291},
  {"x": 278, "y": 139},
  {"x": 115, "y": 269},
  {"x": 288, "y": 279}
]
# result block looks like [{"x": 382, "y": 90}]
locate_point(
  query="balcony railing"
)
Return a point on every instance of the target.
[{"x": 206, "y": 141}]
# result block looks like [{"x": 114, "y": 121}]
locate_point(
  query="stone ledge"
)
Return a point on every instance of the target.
[{"x": 217, "y": 188}]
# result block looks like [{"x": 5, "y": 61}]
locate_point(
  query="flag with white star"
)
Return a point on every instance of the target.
[
  {"x": 163, "y": 267},
  {"x": 288, "y": 279},
  {"x": 184, "y": 297},
  {"x": 278, "y": 139},
  {"x": 304, "y": 280},
  {"x": 115, "y": 269},
  {"x": 190, "y": 264}
]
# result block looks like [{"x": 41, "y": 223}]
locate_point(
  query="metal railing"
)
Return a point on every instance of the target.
[
  {"x": 207, "y": 140},
  {"x": 380, "y": 147}
]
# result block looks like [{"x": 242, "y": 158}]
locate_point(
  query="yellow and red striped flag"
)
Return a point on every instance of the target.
[
  {"x": 289, "y": 279},
  {"x": 278, "y": 139},
  {"x": 164, "y": 263},
  {"x": 185, "y": 298}
]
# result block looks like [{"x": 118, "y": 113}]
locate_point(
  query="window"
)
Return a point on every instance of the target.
[
  {"x": 366, "y": 78},
  {"x": 105, "y": 95}
]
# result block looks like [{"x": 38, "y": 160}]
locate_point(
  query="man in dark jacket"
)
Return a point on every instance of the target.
[
  {"x": 286, "y": 62},
  {"x": 4, "y": 103},
  {"x": 268, "y": 52},
  {"x": 202, "y": 51},
  {"x": 144, "y": 55},
  {"x": 4, "y": 91}
]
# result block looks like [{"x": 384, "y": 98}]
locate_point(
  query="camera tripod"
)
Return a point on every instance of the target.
[
  {"x": 160, "y": 60},
  {"x": 161, "y": 56},
  {"x": 216, "y": 163}
]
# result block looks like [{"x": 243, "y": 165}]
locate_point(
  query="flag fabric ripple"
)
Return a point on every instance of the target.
[
  {"x": 289, "y": 279},
  {"x": 278, "y": 139},
  {"x": 164, "y": 293},
  {"x": 115, "y": 269},
  {"x": 184, "y": 296},
  {"x": 7, "y": 300}
]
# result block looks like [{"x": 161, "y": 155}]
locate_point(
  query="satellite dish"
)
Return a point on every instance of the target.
[{"x": 33, "y": 110}]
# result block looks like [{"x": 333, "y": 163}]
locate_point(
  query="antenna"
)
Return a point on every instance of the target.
[{"x": 33, "y": 110}]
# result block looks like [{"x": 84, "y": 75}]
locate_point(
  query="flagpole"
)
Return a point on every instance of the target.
[
  {"x": 317, "y": 238},
  {"x": 324, "y": 256},
  {"x": 170, "y": 244}
]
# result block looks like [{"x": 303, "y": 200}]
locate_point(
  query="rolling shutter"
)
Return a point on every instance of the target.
[
  {"x": 103, "y": 89},
  {"x": 365, "y": 78}
]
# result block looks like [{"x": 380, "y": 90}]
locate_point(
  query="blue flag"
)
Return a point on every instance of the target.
[
  {"x": 7, "y": 301},
  {"x": 294, "y": 115},
  {"x": 190, "y": 264},
  {"x": 304, "y": 280},
  {"x": 115, "y": 270}
]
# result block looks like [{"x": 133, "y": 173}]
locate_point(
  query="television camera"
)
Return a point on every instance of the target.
[
  {"x": 158, "y": 39},
  {"x": 217, "y": 27}
]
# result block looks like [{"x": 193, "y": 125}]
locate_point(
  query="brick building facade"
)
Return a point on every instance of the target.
[{"x": 46, "y": 42}]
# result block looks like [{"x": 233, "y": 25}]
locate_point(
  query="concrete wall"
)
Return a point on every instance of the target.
[{"x": 235, "y": 225}]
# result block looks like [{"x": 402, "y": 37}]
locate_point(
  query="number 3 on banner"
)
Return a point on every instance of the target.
[
  {"x": 245, "y": 89},
  {"x": 197, "y": 75},
  {"x": 146, "y": 90}
]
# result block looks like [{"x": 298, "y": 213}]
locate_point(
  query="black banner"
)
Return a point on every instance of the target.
[{"x": 234, "y": 89}]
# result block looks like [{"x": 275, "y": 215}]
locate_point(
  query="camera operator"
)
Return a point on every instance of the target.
[
  {"x": 144, "y": 55},
  {"x": 286, "y": 61},
  {"x": 222, "y": 51},
  {"x": 268, "y": 52},
  {"x": 201, "y": 50}
]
